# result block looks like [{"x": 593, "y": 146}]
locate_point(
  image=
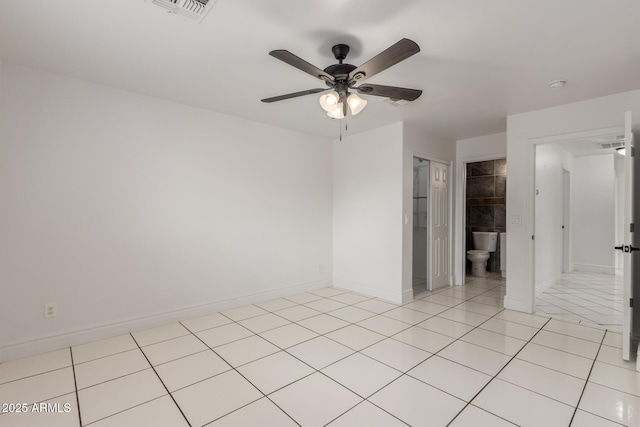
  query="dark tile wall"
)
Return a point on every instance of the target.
[{"x": 486, "y": 203}]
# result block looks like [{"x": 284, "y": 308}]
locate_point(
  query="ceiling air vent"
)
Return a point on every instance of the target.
[
  {"x": 194, "y": 9},
  {"x": 614, "y": 145}
]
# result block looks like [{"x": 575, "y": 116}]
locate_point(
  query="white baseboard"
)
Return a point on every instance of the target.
[
  {"x": 396, "y": 298},
  {"x": 541, "y": 287},
  {"x": 80, "y": 336},
  {"x": 407, "y": 296},
  {"x": 591, "y": 268},
  {"x": 517, "y": 305}
]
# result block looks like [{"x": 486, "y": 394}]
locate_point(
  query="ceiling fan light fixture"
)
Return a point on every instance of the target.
[
  {"x": 622, "y": 151},
  {"x": 356, "y": 103},
  {"x": 329, "y": 101},
  {"x": 337, "y": 112}
]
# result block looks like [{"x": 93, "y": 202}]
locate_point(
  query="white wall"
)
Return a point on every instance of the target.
[
  {"x": 417, "y": 142},
  {"x": 367, "y": 212},
  {"x": 120, "y": 207},
  {"x": 596, "y": 113},
  {"x": 551, "y": 159},
  {"x": 483, "y": 147},
  {"x": 372, "y": 195},
  {"x": 594, "y": 214},
  {"x": 470, "y": 150}
]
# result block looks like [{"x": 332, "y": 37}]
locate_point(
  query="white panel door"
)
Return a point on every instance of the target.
[
  {"x": 627, "y": 247},
  {"x": 439, "y": 225}
]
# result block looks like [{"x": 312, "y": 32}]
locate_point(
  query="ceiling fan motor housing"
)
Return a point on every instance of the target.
[
  {"x": 339, "y": 71},
  {"x": 340, "y": 51}
]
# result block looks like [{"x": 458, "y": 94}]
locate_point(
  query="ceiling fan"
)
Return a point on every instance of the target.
[{"x": 342, "y": 78}]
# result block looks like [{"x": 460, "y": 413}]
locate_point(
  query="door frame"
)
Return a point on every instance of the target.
[{"x": 567, "y": 219}]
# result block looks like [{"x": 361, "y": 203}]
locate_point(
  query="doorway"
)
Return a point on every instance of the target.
[
  {"x": 484, "y": 208},
  {"x": 421, "y": 217},
  {"x": 431, "y": 211},
  {"x": 575, "y": 230}
]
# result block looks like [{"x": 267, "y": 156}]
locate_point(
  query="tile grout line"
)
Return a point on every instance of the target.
[
  {"x": 35, "y": 375},
  {"x": 108, "y": 355},
  {"x": 496, "y": 375},
  {"x": 349, "y": 323},
  {"x": 588, "y": 376},
  {"x": 75, "y": 383},
  {"x": 160, "y": 379},
  {"x": 406, "y": 373},
  {"x": 319, "y": 371},
  {"x": 113, "y": 379},
  {"x": 527, "y": 361},
  {"x": 124, "y": 410},
  {"x": 346, "y": 305},
  {"x": 374, "y": 314},
  {"x": 451, "y": 343},
  {"x": 359, "y": 351},
  {"x": 360, "y": 403},
  {"x": 246, "y": 379}
]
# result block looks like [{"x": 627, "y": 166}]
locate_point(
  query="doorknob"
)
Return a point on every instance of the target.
[
  {"x": 621, "y": 248},
  {"x": 631, "y": 249}
]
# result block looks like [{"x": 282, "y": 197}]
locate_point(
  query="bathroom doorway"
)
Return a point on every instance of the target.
[
  {"x": 421, "y": 184},
  {"x": 485, "y": 207}
]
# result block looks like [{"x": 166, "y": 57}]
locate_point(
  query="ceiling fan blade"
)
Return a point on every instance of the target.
[
  {"x": 293, "y": 95},
  {"x": 385, "y": 59},
  {"x": 301, "y": 64},
  {"x": 392, "y": 92}
]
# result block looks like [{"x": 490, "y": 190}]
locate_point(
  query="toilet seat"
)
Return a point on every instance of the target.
[
  {"x": 478, "y": 260},
  {"x": 477, "y": 252}
]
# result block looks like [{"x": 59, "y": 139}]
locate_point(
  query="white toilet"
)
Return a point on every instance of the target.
[{"x": 483, "y": 242}]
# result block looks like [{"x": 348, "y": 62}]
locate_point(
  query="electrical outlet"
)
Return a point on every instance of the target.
[{"x": 50, "y": 310}]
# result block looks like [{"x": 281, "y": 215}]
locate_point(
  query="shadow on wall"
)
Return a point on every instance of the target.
[{"x": 486, "y": 204}]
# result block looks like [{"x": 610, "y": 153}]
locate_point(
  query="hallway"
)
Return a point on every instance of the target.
[{"x": 588, "y": 298}]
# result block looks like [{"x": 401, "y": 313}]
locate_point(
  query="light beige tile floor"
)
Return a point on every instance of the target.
[
  {"x": 332, "y": 357},
  {"x": 587, "y": 298}
]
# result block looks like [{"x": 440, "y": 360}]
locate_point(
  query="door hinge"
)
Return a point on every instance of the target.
[
  {"x": 633, "y": 151},
  {"x": 533, "y": 237},
  {"x": 630, "y": 302},
  {"x": 631, "y": 228}
]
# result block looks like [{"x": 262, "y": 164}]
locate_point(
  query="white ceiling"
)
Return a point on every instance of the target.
[
  {"x": 592, "y": 146},
  {"x": 480, "y": 60}
]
